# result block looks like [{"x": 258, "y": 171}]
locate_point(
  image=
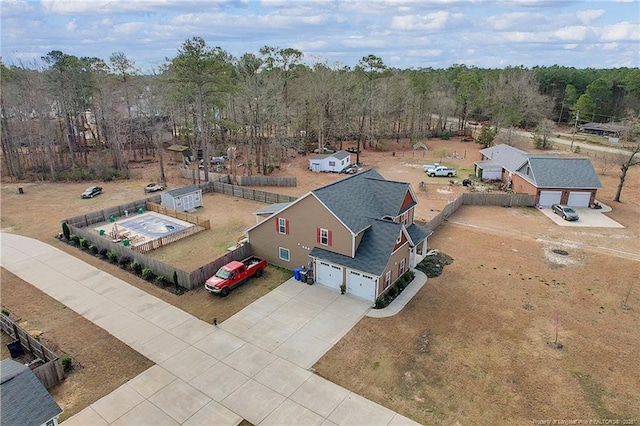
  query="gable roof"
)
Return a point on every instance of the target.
[
  {"x": 373, "y": 252},
  {"x": 508, "y": 157},
  {"x": 557, "y": 172},
  {"x": 25, "y": 401},
  {"x": 271, "y": 208},
  {"x": 338, "y": 155},
  {"x": 184, "y": 190},
  {"x": 361, "y": 197}
]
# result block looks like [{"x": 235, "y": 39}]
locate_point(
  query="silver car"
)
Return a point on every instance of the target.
[{"x": 566, "y": 212}]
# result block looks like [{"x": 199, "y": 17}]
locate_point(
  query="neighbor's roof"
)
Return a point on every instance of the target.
[
  {"x": 271, "y": 208},
  {"x": 488, "y": 165},
  {"x": 373, "y": 252},
  {"x": 178, "y": 148},
  {"x": 557, "y": 172},
  {"x": 184, "y": 190},
  {"x": 25, "y": 401},
  {"x": 604, "y": 127},
  {"x": 358, "y": 198},
  {"x": 506, "y": 156},
  {"x": 338, "y": 155}
]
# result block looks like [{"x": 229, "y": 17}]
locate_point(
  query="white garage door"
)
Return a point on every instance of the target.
[
  {"x": 361, "y": 285},
  {"x": 328, "y": 274},
  {"x": 548, "y": 198},
  {"x": 579, "y": 199}
]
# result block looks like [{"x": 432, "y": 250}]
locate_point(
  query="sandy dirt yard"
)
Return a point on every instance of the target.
[{"x": 471, "y": 348}]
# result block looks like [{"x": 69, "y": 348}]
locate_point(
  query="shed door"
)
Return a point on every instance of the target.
[
  {"x": 188, "y": 202},
  {"x": 361, "y": 285},
  {"x": 328, "y": 274},
  {"x": 579, "y": 199},
  {"x": 548, "y": 198}
]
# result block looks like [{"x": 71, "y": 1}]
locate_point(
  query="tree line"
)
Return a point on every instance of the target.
[{"x": 65, "y": 117}]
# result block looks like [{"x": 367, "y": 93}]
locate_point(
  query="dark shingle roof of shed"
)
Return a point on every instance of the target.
[
  {"x": 271, "y": 208},
  {"x": 184, "y": 190},
  {"x": 25, "y": 401},
  {"x": 374, "y": 249},
  {"x": 358, "y": 198},
  {"x": 557, "y": 172}
]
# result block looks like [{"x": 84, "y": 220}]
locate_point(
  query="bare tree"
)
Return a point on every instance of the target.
[{"x": 632, "y": 138}]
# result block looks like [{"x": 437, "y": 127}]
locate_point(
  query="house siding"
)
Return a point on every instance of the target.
[
  {"x": 302, "y": 236},
  {"x": 402, "y": 253},
  {"x": 523, "y": 186}
]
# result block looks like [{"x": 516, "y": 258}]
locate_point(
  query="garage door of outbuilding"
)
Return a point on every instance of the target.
[
  {"x": 328, "y": 274},
  {"x": 548, "y": 198},
  {"x": 579, "y": 199},
  {"x": 361, "y": 285}
]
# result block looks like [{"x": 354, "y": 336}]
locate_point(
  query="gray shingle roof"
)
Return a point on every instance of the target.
[
  {"x": 184, "y": 190},
  {"x": 25, "y": 401},
  {"x": 357, "y": 199},
  {"x": 557, "y": 172},
  {"x": 338, "y": 155},
  {"x": 271, "y": 208},
  {"x": 374, "y": 249},
  {"x": 508, "y": 157},
  {"x": 418, "y": 233}
]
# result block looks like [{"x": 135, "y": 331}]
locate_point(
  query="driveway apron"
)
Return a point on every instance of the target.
[{"x": 255, "y": 365}]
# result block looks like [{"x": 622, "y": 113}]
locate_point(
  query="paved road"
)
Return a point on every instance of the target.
[
  {"x": 583, "y": 146},
  {"x": 255, "y": 365}
]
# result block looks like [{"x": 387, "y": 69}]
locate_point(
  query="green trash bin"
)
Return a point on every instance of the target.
[
  {"x": 141, "y": 210},
  {"x": 125, "y": 242},
  {"x": 101, "y": 232}
]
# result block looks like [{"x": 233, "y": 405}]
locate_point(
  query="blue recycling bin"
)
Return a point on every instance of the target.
[{"x": 296, "y": 273}]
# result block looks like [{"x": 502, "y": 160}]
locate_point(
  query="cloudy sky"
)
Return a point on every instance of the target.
[{"x": 404, "y": 33}]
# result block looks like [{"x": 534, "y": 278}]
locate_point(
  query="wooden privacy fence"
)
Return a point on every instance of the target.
[
  {"x": 255, "y": 180},
  {"x": 198, "y": 276},
  {"x": 481, "y": 199},
  {"x": 246, "y": 193},
  {"x": 160, "y": 242},
  {"x": 104, "y": 215},
  {"x": 51, "y": 372},
  {"x": 267, "y": 180},
  {"x": 187, "y": 217}
]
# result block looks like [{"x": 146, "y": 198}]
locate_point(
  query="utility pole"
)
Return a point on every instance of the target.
[{"x": 575, "y": 128}]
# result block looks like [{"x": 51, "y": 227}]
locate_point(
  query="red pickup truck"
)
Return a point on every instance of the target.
[{"x": 233, "y": 274}]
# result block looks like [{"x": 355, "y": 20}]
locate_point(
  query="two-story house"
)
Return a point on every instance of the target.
[{"x": 359, "y": 231}]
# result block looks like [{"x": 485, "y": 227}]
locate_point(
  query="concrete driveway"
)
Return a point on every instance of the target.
[
  {"x": 254, "y": 366},
  {"x": 588, "y": 218}
]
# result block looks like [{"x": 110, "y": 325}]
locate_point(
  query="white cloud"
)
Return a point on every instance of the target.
[
  {"x": 587, "y": 16},
  {"x": 574, "y": 33},
  {"x": 429, "y": 22},
  {"x": 621, "y": 31},
  {"x": 71, "y": 26},
  {"x": 13, "y": 8},
  {"x": 570, "y": 46}
]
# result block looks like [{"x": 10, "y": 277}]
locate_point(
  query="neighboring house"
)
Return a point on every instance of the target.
[
  {"x": 499, "y": 162},
  {"x": 178, "y": 153},
  {"x": 555, "y": 180},
  {"x": 358, "y": 231},
  {"x": 24, "y": 399},
  {"x": 604, "y": 129},
  {"x": 335, "y": 162},
  {"x": 184, "y": 199},
  {"x": 552, "y": 179}
]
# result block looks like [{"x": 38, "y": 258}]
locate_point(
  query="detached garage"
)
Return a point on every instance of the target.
[{"x": 557, "y": 180}]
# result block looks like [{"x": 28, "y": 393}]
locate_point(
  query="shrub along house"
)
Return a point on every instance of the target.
[{"x": 359, "y": 232}]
